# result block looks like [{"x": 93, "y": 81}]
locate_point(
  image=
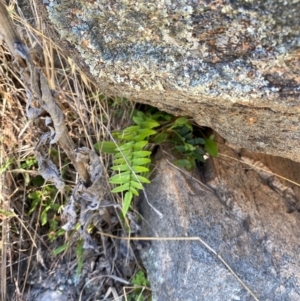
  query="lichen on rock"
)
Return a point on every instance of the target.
[
  {"x": 207, "y": 48},
  {"x": 187, "y": 56}
]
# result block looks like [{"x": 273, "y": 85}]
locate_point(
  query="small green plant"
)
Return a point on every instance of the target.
[
  {"x": 140, "y": 287},
  {"x": 79, "y": 255},
  {"x": 45, "y": 197},
  {"x": 29, "y": 162},
  {"x": 131, "y": 160},
  {"x": 131, "y": 157},
  {"x": 26, "y": 164},
  {"x": 49, "y": 211},
  {"x": 60, "y": 249},
  {"x": 179, "y": 132},
  {"x": 5, "y": 166}
]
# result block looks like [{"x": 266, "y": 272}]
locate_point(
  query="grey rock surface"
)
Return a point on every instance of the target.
[
  {"x": 239, "y": 214},
  {"x": 53, "y": 296},
  {"x": 232, "y": 65}
]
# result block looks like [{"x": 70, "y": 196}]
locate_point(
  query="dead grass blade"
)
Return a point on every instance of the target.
[
  {"x": 193, "y": 238},
  {"x": 3, "y": 242},
  {"x": 260, "y": 168}
]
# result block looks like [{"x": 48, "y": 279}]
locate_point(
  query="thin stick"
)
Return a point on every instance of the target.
[
  {"x": 193, "y": 238},
  {"x": 256, "y": 167}
]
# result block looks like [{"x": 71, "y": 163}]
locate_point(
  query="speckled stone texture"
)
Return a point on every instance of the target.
[
  {"x": 232, "y": 65},
  {"x": 243, "y": 219}
]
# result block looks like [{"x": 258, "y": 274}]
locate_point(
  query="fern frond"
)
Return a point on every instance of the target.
[{"x": 131, "y": 160}]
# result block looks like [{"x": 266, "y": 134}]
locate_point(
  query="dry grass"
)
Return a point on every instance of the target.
[{"x": 86, "y": 110}]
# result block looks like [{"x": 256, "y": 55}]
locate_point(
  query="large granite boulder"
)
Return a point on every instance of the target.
[
  {"x": 241, "y": 213},
  {"x": 232, "y": 65}
]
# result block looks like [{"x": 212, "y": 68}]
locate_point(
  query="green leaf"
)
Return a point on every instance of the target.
[
  {"x": 141, "y": 154},
  {"x": 134, "y": 191},
  {"x": 180, "y": 122},
  {"x": 200, "y": 150},
  {"x": 60, "y": 232},
  {"x": 123, "y": 154},
  {"x": 126, "y": 202},
  {"x": 196, "y": 141},
  {"x": 34, "y": 204},
  {"x": 145, "y": 122},
  {"x": 79, "y": 248},
  {"x": 162, "y": 115},
  {"x": 149, "y": 124},
  {"x": 121, "y": 161},
  {"x": 107, "y": 147},
  {"x": 54, "y": 207},
  {"x": 126, "y": 146},
  {"x": 185, "y": 148},
  {"x": 38, "y": 181},
  {"x": 139, "y": 114},
  {"x": 160, "y": 138},
  {"x": 79, "y": 254},
  {"x": 180, "y": 148},
  {"x": 189, "y": 126},
  {"x": 138, "y": 120},
  {"x": 139, "y": 145},
  {"x": 140, "y": 137},
  {"x": 147, "y": 132},
  {"x": 128, "y": 137},
  {"x": 211, "y": 147},
  {"x": 125, "y": 173},
  {"x": 184, "y": 131},
  {"x": 189, "y": 147},
  {"x": 60, "y": 249},
  {"x": 121, "y": 188},
  {"x": 122, "y": 167},
  {"x": 175, "y": 137},
  {"x": 198, "y": 156},
  {"x": 116, "y": 134},
  {"x": 140, "y": 161},
  {"x": 140, "y": 169},
  {"x": 125, "y": 167},
  {"x": 185, "y": 163},
  {"x": 34, "y": 195},
  {"x": 136, "y": 185},
  {"x": 44, "y": 216},
  {"x": 119, "y": 179},
  {"x": 131, "y": 129},
  {"x": 142, "y": 179}
]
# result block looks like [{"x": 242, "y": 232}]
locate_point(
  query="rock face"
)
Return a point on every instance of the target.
[
  {"x": 232, "y": 65},
  {"x": 239, "y": 214}
]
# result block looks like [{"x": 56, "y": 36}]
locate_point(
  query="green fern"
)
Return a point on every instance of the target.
[{"x": 131, "y": 159}]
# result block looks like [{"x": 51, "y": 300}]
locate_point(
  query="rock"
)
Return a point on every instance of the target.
[
  {"x": 232, "y": 65},
  {"x": 239, "y": 214},
  {"x": 53, "y": 296}
]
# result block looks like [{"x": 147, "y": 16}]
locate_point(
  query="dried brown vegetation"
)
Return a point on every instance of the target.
[{"x": 28, "y": 267}]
